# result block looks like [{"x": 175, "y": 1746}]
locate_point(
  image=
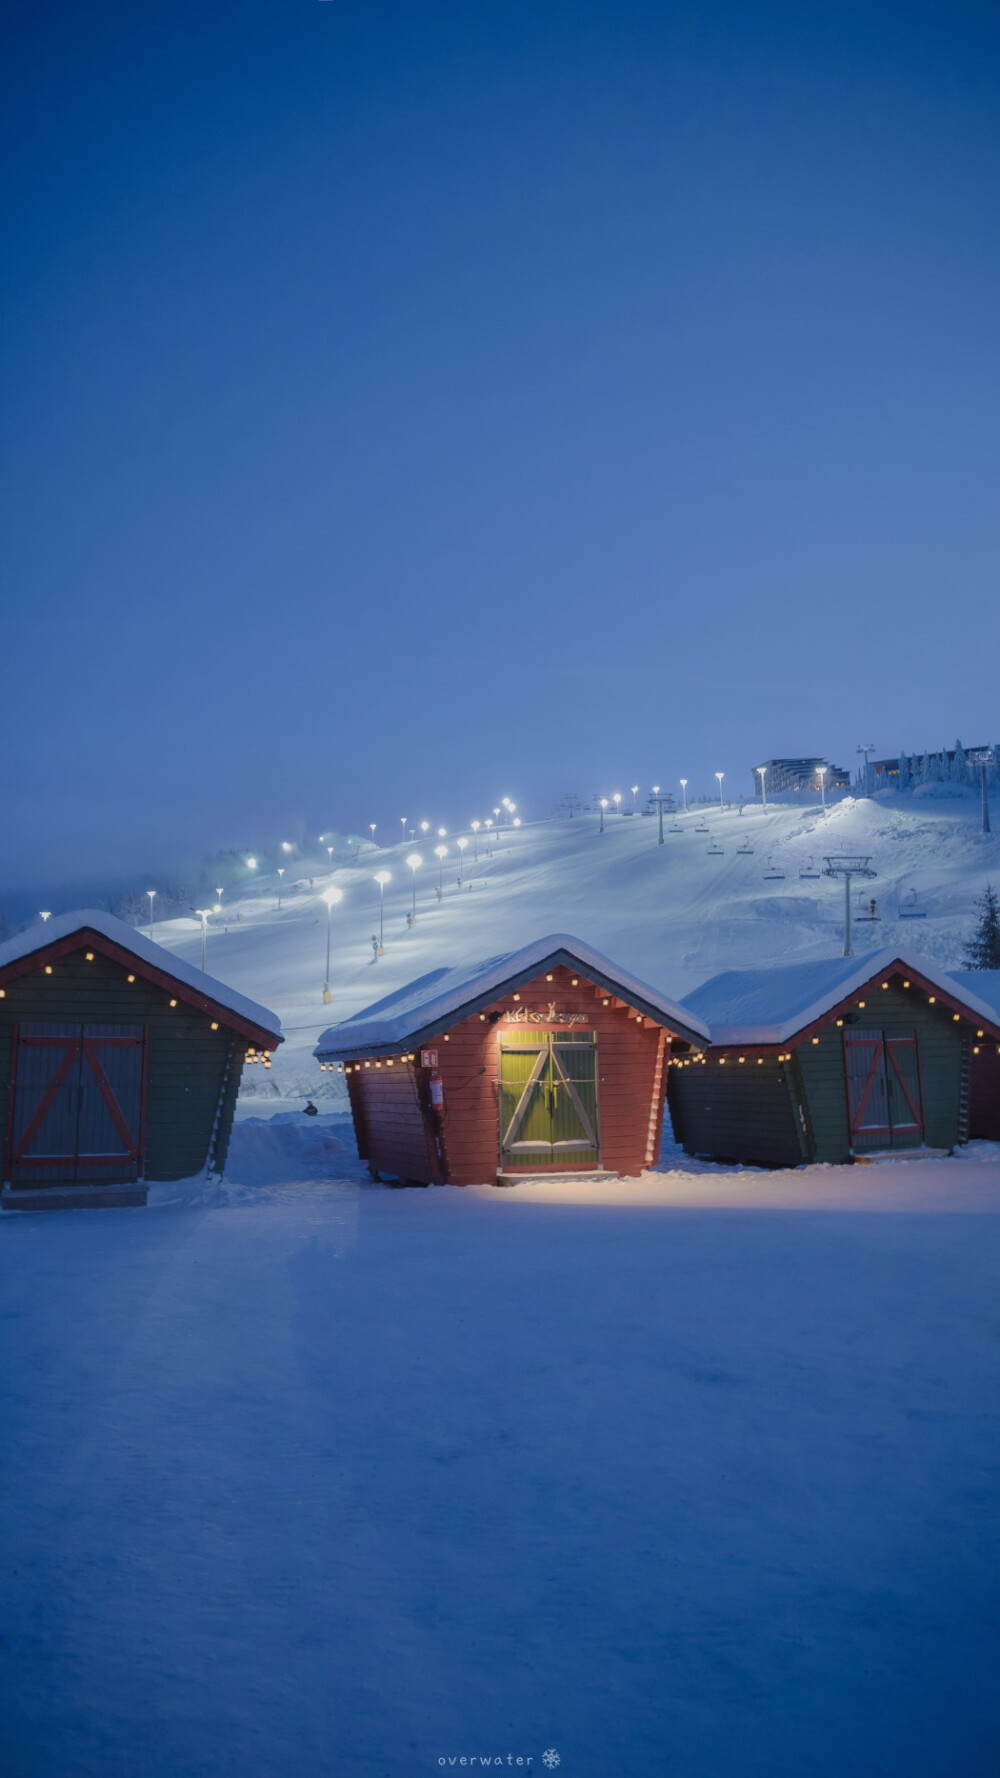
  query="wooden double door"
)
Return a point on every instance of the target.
[
  {"x": 549, "y": 1099},
  {"x": 884, "y": 1098},
  {"x": 77, "y": 1103}
]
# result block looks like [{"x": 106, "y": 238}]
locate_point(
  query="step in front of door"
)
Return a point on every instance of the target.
[
  {"x": 73, "y": 1197},
  {"x": 581, "y": 1176}
]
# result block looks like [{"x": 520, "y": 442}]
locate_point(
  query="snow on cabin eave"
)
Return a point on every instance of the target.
[
  {"x": 871, "y": 970},
  {"x": 369, "y": 1037},
  {"x": 114, "y": 938}
]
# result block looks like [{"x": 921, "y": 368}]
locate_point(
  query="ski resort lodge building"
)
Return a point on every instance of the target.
[
  {"x": 547, "y": 1060},
  {"x": 833, "y": 1060},
  {"x": 119, "y": 1064}
]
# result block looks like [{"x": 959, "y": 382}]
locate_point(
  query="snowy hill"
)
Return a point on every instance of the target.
[{"x": 671, "y": 914}]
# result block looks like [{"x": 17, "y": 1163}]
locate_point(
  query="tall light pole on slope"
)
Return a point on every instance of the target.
[
  {"x": 382, "y": 877},
  {"x": 720, "y": 776},
  {"x": 461, "y": 844},
  {"x": 635, "y": 792},
  {"x": 440, "y": 853},
  {"x": 152, "y": 897},
  {"x": 414, "y": 861},
  {"x": 866, "y": 748},
  {"x": 983, "y": 758},
  {"x": 657, "y": 798},
  {"x": 331, "y": 896},
  {"x": 475, "y": 825},
  {"x": 604, "y": 804},
  {"x": 821, "y": 772},
  {"x": 203, "y": 914},
  {"x": 684, "y": 793},
  {"x": 762, "y": 770},
  {"x": 281, "y": 872}
]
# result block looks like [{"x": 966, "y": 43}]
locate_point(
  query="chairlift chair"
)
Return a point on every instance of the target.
[
  {"x": 746, "y": 850},
  {"x": 908, "y": 909},
  {"x": 808, "y": 869},
  {"x": 872, "y": 917},
  {"x": 715, "y": 848},
  {"x": 772, "y": 873}
]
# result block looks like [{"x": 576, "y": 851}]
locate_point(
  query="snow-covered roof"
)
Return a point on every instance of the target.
[
  {"x": 984, "y": 983},
  {"x": 64, "y": 926},
  {"x": 771, "y": 1005},
  {"x": 429, "y": 1005}
]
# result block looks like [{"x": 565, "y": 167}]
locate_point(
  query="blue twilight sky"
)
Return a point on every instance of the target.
[{"x": 409, "y": 404}]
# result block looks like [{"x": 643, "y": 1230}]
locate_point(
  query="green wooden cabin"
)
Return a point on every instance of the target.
[
  {"x": 119, "y": 1064},
  {"x": 830, "y": 1061}
]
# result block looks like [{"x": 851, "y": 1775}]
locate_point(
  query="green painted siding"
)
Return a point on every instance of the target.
[
  {"x": 186, "y": 1059},
  {"x": 735, "y": 1111},
  {"x": 897, "y": 1011}
]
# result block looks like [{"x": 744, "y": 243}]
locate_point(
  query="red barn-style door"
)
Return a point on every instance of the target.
[
  {"x": 77, "y": 1111},
  {"x": 883, "y": 1090}
]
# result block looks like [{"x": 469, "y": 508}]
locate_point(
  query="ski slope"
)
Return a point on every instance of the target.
[{"x": 671, "y": 914}]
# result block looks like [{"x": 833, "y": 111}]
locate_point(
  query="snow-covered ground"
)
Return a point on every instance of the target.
[
  {"x": 692, "y": 1475},
  {"x": 671, "y": 914}
]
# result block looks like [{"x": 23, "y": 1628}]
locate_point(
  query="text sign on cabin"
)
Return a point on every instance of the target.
[{"x": 528, "y": 1015}]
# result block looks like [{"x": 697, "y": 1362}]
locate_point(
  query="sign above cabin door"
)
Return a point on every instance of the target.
[
  {"x": 548, "y": 1099},
  {"x": 884, "y": 1100},
  {"x": 77, "y": 1103}
]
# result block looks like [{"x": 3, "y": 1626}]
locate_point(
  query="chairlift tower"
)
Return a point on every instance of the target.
[
  {"x": 983, "y": 758},
  {"x": 841, "y": 865}
]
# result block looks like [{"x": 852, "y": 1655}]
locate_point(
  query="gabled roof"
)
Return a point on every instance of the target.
[
  {"x": 430, "y": 1005},
  {"x": 983, "y": 983},
  {"x": 113, "y": 938},
  {"x": 765, "y": 1006}
]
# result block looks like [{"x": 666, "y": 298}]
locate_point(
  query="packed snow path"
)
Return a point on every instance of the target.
[{"x": 693, "y": 1475}]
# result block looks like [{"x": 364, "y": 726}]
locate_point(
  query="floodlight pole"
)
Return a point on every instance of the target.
[
  {"x": 983, "y": 758},
  {"x": 866, "y": 748}
]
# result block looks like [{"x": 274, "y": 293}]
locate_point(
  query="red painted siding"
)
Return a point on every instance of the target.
[
  {"x": 631, "y": 1056},
  {"x": 393, "y": 1125},
  {"x": 984, "y": 1118}
]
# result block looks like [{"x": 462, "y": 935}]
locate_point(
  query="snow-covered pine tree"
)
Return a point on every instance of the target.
[
  {"x": 983, "y": 949},
  {"x": 960, "y": 765}
]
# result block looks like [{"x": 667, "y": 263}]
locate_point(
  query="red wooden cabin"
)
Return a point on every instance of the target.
[{"x": 547, "y": 1060}]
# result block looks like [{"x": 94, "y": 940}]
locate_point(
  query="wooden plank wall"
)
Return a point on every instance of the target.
[
  {"x": 899, "y": 1012},
  {"x": 186, "y": 1059},
  {"x": 984, "y": 1123},
  {"x": 392, "y": 1121},
  {"x": 736, "y": 1112},
  {"x": 629, "y": 1068}
]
